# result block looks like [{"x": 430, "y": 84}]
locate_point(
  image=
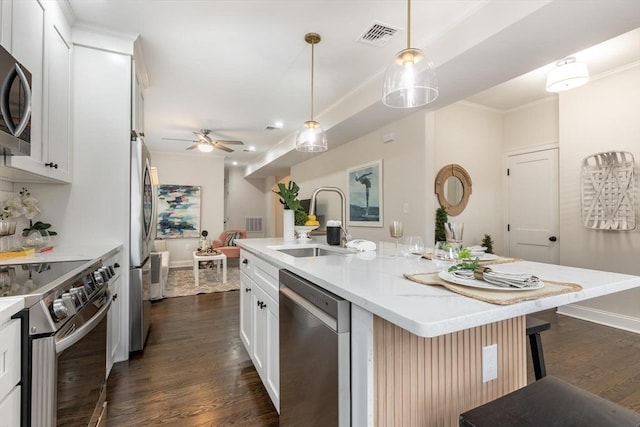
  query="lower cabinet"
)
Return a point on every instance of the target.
[
  {"x": 259, "y": 326},
  {"x": 10, "y": 373}
]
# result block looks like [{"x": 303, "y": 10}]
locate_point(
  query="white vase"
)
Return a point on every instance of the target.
[{"x": 288, "y": 222}]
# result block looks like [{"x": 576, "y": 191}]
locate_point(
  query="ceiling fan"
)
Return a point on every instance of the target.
[{"x": 206, "y": 144}]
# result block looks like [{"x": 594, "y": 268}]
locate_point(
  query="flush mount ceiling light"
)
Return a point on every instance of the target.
[
  {"x": 410, "y": 81},
  {"x": 568, "y": 74},
  {"x": 311, "y": 138}
]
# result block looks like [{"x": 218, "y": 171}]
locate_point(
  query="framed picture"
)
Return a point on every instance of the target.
[
  {"x": 364, "y": 195},
  {"x": 178, "y": 211}
]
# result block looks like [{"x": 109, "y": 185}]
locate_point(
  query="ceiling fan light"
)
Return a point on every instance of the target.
[
  {"x": 410, "y": 81},
  {"x": 311, "y": 138},
  {"x": 568, "y": 74},
  {"x": 205, "y": 148}
]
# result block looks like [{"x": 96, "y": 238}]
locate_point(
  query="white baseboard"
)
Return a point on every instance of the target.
[
  {"x": 178, "y": 264},
  {"x": 607, "y": 318}
]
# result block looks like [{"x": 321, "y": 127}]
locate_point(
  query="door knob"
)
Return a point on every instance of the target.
[{"x": 553, "y": 238}]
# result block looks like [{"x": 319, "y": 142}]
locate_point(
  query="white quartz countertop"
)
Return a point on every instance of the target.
[
  {"x": 375, "y": 282},
  {"x": 8, "y": 307},
  {"x": 57, "y": 254}
]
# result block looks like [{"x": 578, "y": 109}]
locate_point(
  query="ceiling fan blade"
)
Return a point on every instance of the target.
[
  {"x": 223, "y": 148},
  {"x": 192, "y": 146},
  {"x": 175, "y": 139},
  {"x": 224, "y": 141}
]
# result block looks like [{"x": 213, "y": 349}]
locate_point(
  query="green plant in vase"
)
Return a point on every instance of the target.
[{"x": 289, "y": 199}]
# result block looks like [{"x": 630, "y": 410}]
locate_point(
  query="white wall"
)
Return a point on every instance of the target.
[
  {"x": 407, "y": 176},
  {"x": 206, "y": 171},
  {"x": 471, "y": 136},
  {"x": 531, "y": 125},
  {"x": 246, "y": 197},
  {"x": 603, "y": 115}
]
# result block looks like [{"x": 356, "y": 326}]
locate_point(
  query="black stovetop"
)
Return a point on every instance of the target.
[{"x": 26, "y": 279}]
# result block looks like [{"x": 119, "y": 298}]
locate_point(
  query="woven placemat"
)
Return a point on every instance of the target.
[
  {"x": 550, "y": 288},
  {"x": 499, "y": 260}
]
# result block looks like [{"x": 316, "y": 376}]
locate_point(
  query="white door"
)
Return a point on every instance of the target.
[{"x": 532, "y": 217}]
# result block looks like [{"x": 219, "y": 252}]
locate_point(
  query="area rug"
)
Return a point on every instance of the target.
[{"x": 181, "y": 282}]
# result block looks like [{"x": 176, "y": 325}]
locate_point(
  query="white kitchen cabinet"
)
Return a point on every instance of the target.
[
  {"x": 40, "y": 40},
  {"x": 114, "y": 317},
  {"x": 246, "y": 287},
  {"x": 10, "y": 373},
  {"x": 259, "y": 326},
  {"x": 114, "y": 334}
]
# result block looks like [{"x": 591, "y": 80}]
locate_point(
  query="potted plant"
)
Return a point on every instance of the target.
[
  {"x": 289, "y": 199},
  {"x": 441, "y": 220}
]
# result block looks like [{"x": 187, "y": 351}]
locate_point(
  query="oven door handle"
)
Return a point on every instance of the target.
[{"x": 81, "y": 332}]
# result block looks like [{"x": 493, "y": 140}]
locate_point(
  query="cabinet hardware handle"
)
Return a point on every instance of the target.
[
  {"x": 245, "y": 261},
  {"x": 553, "y": 238},
  {"x": 52, "y": 165},
  {"x": 247, "y": 289},
  {"x": 115, "y": 297}
]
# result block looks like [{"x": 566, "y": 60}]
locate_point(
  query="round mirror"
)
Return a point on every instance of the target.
[{"x": 453, "y": 187}]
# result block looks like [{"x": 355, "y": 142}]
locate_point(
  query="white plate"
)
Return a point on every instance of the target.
[
  {"x": 485, "y": 257},
  {"x": 474, "y": 283}
]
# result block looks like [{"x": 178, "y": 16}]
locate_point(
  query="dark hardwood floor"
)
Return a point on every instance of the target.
[{"x": 195, "y": 372}]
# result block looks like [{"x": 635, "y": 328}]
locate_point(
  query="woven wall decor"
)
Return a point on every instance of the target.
[{"x": 608, "y": 191}]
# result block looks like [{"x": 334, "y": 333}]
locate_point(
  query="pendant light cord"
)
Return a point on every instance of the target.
[
  {"x": 408, "y": 24},
  {"x": 312, "y": 67}
]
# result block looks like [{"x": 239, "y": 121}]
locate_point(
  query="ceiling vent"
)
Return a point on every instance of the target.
[
  {"x": 272, "y": 127},
  {"x": 378, "y": 34}
]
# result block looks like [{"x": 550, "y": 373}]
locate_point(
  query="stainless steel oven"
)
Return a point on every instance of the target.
[{"x": 64, "y": 364}]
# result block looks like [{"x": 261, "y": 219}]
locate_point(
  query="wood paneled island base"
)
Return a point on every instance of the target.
[{"x": 431, "y": 381}]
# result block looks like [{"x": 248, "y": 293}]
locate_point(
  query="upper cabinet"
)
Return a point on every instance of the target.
[{"x": 40, "y": 38}]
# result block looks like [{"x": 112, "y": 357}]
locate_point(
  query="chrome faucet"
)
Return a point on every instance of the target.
[{"x": 312, "y": 210}]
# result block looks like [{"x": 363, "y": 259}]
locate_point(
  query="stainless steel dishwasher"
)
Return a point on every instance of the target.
[{"x": 315, "y": 355}]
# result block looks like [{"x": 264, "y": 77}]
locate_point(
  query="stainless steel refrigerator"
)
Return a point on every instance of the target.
[{"x": 142, "y": 233}]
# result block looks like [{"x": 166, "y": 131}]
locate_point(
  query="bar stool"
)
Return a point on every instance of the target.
[
  {"x": 550, "y": 402},
  {"x": 534, "y": 327}
]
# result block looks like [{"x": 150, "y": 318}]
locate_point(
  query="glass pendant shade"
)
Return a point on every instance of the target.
[
  {"x": 568, "y": 74},
  {"x": 410, "y": 81},
  {"x": 311, "y": 138},
  {"x": 205, "y": 148}
]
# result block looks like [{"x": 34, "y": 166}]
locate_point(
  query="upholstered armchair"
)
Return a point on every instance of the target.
[{"x": 226, "y": 242}]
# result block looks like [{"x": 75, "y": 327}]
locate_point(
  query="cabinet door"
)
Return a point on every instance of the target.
[
  {"x": 114, "y": 335},
  {"x": 259, "y": 341},
  {"x": 272, "y": 367},
  {"x": 56, "y": 133},
  {"x": 246, "y": 311},
  {"x": 10, "y": 408}
]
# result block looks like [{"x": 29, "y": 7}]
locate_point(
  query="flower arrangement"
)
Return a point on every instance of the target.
[{"x": 25, "y": 205}]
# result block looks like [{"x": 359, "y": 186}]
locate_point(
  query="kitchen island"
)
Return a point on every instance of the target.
[{"x": 416, "y": 350}]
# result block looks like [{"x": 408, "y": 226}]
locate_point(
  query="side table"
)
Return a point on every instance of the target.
[{"x": 197, "y": 258}]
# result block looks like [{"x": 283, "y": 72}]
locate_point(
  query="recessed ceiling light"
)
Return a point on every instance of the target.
[
  {"x": 251, "y": 148},
  {"x": 234, "y": 163},
  {"x": 274, "y": 125}
]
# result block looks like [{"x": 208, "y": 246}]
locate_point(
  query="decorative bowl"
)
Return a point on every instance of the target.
[{"x": 303, "y": 231}]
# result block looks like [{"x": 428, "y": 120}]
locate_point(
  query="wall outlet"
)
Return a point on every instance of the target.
[
  {"x": 489, "y": 363},
  {"x": 405, "y": 207}
]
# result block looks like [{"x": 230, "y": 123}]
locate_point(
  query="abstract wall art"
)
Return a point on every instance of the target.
[{"x": 178, "y": 211}]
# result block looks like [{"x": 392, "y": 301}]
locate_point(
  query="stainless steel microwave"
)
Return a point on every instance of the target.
[{"x": 15, "y": 105}]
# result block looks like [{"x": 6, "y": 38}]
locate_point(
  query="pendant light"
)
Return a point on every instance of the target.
[
  {"x": 311, "y": 137},
  {"x": 410, "y": 81},
  {"x": 568, "y": 74}
]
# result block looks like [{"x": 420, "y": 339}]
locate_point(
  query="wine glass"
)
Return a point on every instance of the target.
[
  {"x": 414, "y": 247},
  {"x": 395, "y": 229},
  {"x": 445, "y": 254}
]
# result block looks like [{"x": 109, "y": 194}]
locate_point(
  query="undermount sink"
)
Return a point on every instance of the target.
[{"x": 309, "y": 252}]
